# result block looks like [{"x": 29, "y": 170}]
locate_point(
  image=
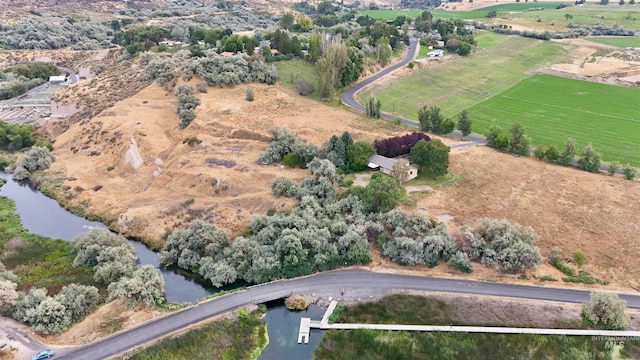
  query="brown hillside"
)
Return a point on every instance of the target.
[{"x": 157, "y": 195}]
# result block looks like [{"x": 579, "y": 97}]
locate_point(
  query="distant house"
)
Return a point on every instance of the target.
[
  {"x": 385, "y": 165},
  {"x": 435, "y": 53},
  {"x": 172, "y": 43},
  {"x": 227, "y": 53},
  {"x": 57, "y": 79}
]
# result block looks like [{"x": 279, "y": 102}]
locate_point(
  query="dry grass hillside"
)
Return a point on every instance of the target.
[{"x": 165, "y": 182}]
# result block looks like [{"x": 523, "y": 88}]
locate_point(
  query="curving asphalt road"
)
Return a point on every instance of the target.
[{"x": 357, "y": 283}]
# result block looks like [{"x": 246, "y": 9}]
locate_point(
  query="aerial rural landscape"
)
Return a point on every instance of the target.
[{"x": 393, "y": 179}]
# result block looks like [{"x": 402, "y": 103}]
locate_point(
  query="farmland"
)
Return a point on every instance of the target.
[
  {"x": 551, "y": 19},
  {"x": 619, "y": 41},
  {"x": 498, "y": 63},
  {"x": 554, "y": 108}
]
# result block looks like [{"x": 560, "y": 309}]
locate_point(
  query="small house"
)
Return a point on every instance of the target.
[
  {"x": 227, "y": 53},
  {"x": 385, "y": 165}
]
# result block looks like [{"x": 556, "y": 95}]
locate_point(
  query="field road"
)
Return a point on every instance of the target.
[{"x": 357, "y": 283}]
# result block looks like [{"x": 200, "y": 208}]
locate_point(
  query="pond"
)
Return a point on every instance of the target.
[{"x": 282, "y": 327}]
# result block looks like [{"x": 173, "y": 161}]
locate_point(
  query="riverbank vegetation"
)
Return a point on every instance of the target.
[
  {"x": 409, "y": 309},
  {"x": 241, "y": 337}
]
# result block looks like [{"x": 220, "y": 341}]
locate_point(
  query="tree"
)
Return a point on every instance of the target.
[
  {"x": 8, "y": 293},
  {"x": 431, "y": 119},
  {"x": 464, "y": 123},
  {"x": 492, "y": 134},
  {"x": 28, "y": 302},
  {"x": 400, "y": 171},
  {"x": 88, "y": 246},
  {"x": 605, "y": 311},
  {"x": 519, "y": 141},
  {"x": 315, "y": 47},
  {"x": 358, "y": 155},
  {"x": 431, "y": 156},
  {"x": 589, "y": 159},
  {"x": 383, "y": 51},
  {"x": 354, "y": 66},
  {"x": 373, "y": 108},
  {"x": 566, "y": 156},
  {"x": 329, "y": 69},
  {"x": 286, "y": 21},
  {"x": 381, "y": 194},
  {"x": 305, "y": 23},
  {"x": 36, "y": 158}
]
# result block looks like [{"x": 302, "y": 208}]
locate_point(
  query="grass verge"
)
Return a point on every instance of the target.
[
  {"x": 408, "y": 309},
  {"x": 241, "y": 337}
]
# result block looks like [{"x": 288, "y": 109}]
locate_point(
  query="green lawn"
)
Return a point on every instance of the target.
[
  {"x": 290, "y": 70},
  {"x": 553, "y": 108},
  {"x": 619, "y": 41},
  {"x": 498, "y": 63}
]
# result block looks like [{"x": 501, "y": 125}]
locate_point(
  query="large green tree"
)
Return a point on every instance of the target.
[
  {"x": 329, "y": 69},
  {"x": 464, "y": 123},
  {"x": 286, "y": 21},
  {"x": 431, "y": 119},
  {"x": 358, "y": 155},
  {"x": 431, "y": 156},
  {"x": 381, "y": 194},
  {"x": 519, "y": 141}
]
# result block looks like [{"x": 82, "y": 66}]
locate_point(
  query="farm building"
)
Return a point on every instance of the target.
[
  {"x": 385, "y": 165},
  {"x": 57, "y": 79}
]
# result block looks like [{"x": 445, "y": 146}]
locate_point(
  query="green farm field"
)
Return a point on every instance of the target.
[
  {"x": 551, "y": 109},
  {"x": 551, "y": 19},
  {"x": 619, "y": 41},
  {"x": 467, "y": 15},
  {"x": 498, "y": 63}
]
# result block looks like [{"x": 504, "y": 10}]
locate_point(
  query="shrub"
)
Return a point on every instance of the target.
[
  {"x": 589, "y": 159},
  {"x": 109, "y": 254},
  {"x": 303, "y": 87},
  {"x": 296, "y": 302},
  {"x": 192, "y": 140},
  {"x": 566, "y": 156},
  {"x": 629, "y": 172},
  {"x": 505, "y": 246},
  {"x": 460, "y": 261},
  {"x": 36, "y": 158},
  {"x": 146, "y": 285},
  {"x": 79, "y": 300},
  {"x": 605, "y": 311},
  {"x": 579, "y": 257},
  {"x": 249, "y": 94},
  {"x": 49, "y": 317},
  {"x": 548, "y": 278},
  {"x": 283, "y": 186},
  {"x": 431, "y": 119},
  {"x": 202, "y": 87},
  {"x": 557, "y": 262},
  {"x": 613, "y": 167},
  {"x": 280, "y": 145},
  {"x": 540, "y": 152},
  {"x": 292, "y": 161}
]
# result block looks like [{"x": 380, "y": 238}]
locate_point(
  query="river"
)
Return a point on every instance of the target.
[{"x": 44, "y": 216}]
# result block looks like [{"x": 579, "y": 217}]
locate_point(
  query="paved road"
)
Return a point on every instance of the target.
[
  {"x": 72, "y": 74},
  {"x": 357, "y": 283}
]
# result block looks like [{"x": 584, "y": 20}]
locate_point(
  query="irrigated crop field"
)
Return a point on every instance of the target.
[
  {"x": 467, "y": 15},
  {"x": 619, "y": 41},
  {"x": 553, "y": 108},
  {"x": 499, "y": 63}
]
